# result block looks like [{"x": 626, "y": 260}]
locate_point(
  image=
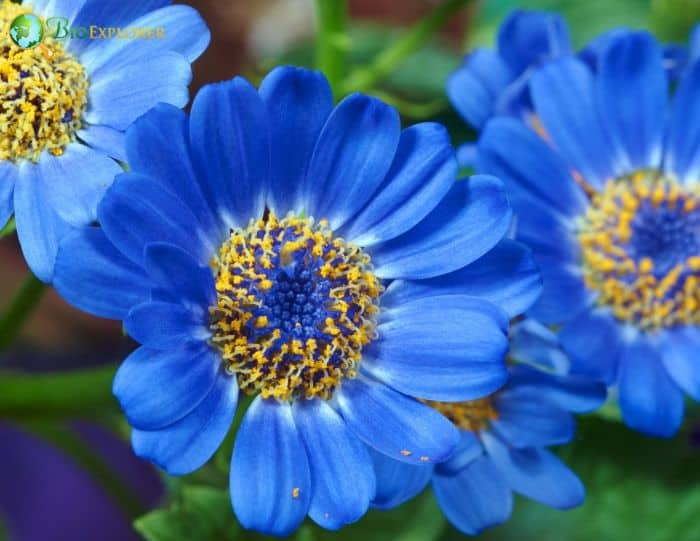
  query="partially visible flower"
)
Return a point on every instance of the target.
[
  {"x": 491, "y": 83},
  {"x": 503, "y": 442},
  {"x": 607, "y": 195},
  {"x": 65, "y": 104},
  {"x": 318, "y": 258}
]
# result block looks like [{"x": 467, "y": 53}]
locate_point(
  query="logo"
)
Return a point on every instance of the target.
[{"x": 27, "y": 31}]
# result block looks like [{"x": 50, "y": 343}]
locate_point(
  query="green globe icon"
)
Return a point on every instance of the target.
[{"x": 27, "y": 31}]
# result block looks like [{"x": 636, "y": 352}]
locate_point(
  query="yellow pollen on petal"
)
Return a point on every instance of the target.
[{"x": 43, "y": 94}]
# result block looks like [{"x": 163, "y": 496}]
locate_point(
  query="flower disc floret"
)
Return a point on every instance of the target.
[
  {"x": 471, "y": 415},
  {"x": 640, "y": 242},
  {"x": 43, "y": 96},
  {"x": 295, "y": 306}
]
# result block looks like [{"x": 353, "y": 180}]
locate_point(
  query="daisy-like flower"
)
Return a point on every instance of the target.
[
  {"x": 318, "y": 258},
  {"x": 503, "y": 441},
  {"x": 608, "y": 197},
  {"x": 493, "y": 83},
  {"x": 66, "y": 103}
]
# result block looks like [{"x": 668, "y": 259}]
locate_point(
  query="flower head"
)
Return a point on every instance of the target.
[
  {"x": 67, "y": 100},
  {"x": 503, "y": 441},
  {"x": 317, "y": 258},
  {"x": 608, "y": 197},
  {"x": 492, "y": 83}
]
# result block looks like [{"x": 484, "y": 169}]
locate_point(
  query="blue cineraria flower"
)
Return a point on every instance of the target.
[
  {"x": 608, "y": 198},
  {"x": 250, "y": 248},
  {"x": 492, "y": 83},
  {"x": 67, "y": 102},
  {"x": 503, "y": 441}
]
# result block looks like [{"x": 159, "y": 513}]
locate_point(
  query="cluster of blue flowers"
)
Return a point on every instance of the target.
[{"x": 331, "y": 264}]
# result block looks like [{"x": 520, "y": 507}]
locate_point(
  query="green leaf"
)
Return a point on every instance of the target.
[
  {"x": 8, "y": 229},
  {"x": 197, "y": 513},
  {"x": 417, "y": 520},
  {"x": 637, "y": 488}
]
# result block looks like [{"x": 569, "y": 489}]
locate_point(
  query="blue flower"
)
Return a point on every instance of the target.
[
  {"x": 608, "y": 198},
  {"x": 318, "y": 258},
  {"x": 503, "y": 441},
  {"x": 492, "y": 83},
  {"x": 68, "y": 102}
]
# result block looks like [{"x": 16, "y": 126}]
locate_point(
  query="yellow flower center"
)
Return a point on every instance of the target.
[
  {"x": 43, "y": 95},
  {"x": 295, "y": 306},
  {"x": 472, "y": 415},
  {"x": 640, "y": 242}
]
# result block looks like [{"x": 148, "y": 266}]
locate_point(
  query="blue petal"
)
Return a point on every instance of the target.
[
  {"x": 64, "y": 8},
  {"x": 563, "y": 94},
  {"x": 39, "y": 227},
  {"x": 578, "y": 394},
  {"x": 448, "y": 348},
  {"x": 158, "y": 388},
  {"x": 75, "y": 182},
  {"x": 526, "y": 420},
  {"x": 8, "y": 177},
  {"x": 534, "y": 343},
  {"x": 106, "y": 140},
  {"x": 593, "y": 341},
  {"x": 467, "y": 155},
  {"x": 467, "y": 451},
  {"x": 162, "y": 325},
  {"x": 93, "y": 276},
  {"x": 536, "y": 474},
  {"x": 177, "y": 272},
  {"x": 423, "y": 171},
  {"x": 118, "y": 97},
  {"x": 98, "y": 12},
  {"x": 506, "y": 276},
  {"x": 650, "y": 401},
  {"x": 564, "y": 293},
  {"x": 528, "y": 38},
  {"x": 515, "y": 153},
  {"x": 353, "y": 155},
  {"x": 158, "y": 146},
  {"x": 679, "y": 349},
  {"x": 476, "y": 498},
  {"x": 468, "y": 222},
  {"x": 185, "y": 33},
  {"x": 683, "y": 139},
  {"x": 299, "y": 102},
  {"x": 592, "y": 54},
  {"x": 475, "y": 87},
  {"x": 138, "y": 211},
  {"x": 342, "y": 477},
  {"x": 270, "y": 479},
  {"x": 394, "y": 424},
  {"x": 695, "y": 42},
  {"x": 188, "y": 444},
  {"x": 397, "y": 482},
  {"x": 632, "y": 95},
  {"x": 229, "y": 137}
]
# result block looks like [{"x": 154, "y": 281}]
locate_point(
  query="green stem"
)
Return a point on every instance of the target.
[
  {"x": 387, "y": 61},
  {"x": 64, "y": 395},
  {"x": 409, "y": 109},
  {"x": 19, "y": 309},
  {"x": 331, "y": 41},
  {"x": 73, "y": 446}
]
